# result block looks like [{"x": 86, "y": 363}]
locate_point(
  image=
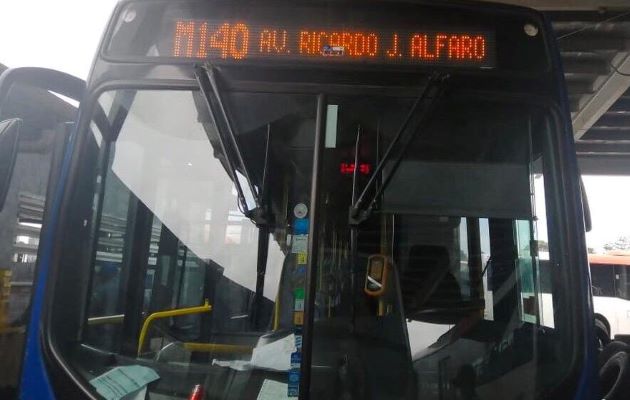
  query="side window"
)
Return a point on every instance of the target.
[
  {"x": 622, "y": 275},
  {"x": 42, "y": 139},
  {"x": 534, "y": 304},
  {"x": 534, "y": 259},
  {"x": 106, "y": 297},
  {"x": 603, "y": 280}
]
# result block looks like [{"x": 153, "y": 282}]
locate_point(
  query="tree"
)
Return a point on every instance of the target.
[{"x": 622, "y": 243}]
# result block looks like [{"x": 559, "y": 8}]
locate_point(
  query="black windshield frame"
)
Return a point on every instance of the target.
[{"x": 557, "y": 144}]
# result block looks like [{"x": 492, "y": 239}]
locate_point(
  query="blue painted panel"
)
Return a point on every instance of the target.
[{"x": 34, "y": 382}]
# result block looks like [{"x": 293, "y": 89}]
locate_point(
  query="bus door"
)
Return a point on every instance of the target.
[{"x": 43, "y": 122}]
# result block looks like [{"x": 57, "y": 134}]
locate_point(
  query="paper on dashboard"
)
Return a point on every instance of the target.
[
  {"x": 275, "y": 356},
  {"x": 273, "y": 390},
  {"x": 121, "y": 381}
]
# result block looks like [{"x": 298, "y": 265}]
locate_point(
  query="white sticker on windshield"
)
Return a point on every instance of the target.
[
  {"x": 273, "y": 390},
  {"x": 299, "y": 244},
  {"x": 120, "y": 381},
  {"x": 332, "y": 113}
]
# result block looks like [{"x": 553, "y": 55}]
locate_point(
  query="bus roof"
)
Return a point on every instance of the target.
[{"x": 614, "y": 259}]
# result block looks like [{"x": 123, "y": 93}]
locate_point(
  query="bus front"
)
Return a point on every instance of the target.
[{"x": 325, "y": 200}]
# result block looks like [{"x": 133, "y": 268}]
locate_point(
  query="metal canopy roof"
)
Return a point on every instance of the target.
[
  {"x": 594, "y": 53},
  {"x": 596, "y": 58},
  {"x": 594, "y": 40},
  {"x": 569, "y": 5}
]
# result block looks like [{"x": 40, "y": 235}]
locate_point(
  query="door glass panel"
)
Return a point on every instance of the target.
[
  {"x": 177, "y": 260},
  {"x": 461, "y": 313},
  {"x": 42, "y": 139},
  {"x": 622, "y": 281}
]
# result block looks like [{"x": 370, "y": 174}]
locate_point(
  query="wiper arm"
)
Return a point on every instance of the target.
[
  {"x": 208, "y": 85},
  {"x": 362, "y": 207}
]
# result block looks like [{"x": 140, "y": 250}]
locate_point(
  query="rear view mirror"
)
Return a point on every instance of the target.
[
  {"x": 46, "y": 79},
  {"x": 9, "y": 135},
  {"x": 40, "y": 78}
]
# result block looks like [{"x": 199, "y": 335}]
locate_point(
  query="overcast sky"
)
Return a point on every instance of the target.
[
  {"x": 64, "y": 34},
  {"x": 59, "y": 34},
  {"x": 609, "y": 198}
]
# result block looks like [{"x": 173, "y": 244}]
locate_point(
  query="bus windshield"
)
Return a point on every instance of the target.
[{"x": 435, "y": 289}]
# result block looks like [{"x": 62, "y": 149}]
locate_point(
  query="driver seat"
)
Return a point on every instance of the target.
[{"x": 427, "y": 282}]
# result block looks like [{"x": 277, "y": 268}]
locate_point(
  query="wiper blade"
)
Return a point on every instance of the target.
[
  {"x": 206, "y": 76},
  {"x": 363, "y": 206}
]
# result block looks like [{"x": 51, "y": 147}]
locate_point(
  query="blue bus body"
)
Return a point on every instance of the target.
[{"x": 50, "y": 372}]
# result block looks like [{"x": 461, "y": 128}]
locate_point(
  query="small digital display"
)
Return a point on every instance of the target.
[
  {"x": 238, "y": 41},
  {"x": 348, "y": 168}
]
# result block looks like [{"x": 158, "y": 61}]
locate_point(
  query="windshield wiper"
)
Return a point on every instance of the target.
[
  {"x": 208, "y": 85},
  {"x": 363, "y": 206}
]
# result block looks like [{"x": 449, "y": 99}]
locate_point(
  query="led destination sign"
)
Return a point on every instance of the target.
[{"x": 237, "y": 41}]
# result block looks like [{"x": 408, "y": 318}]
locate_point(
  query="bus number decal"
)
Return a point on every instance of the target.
[
  {"x": 232, "y": 41},
  {"x": 184, "y": 33}
]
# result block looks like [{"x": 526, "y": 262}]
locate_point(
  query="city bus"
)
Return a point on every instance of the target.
[
  {"x": 610, "y": 276},
  {"x": 313, "y": 200}
]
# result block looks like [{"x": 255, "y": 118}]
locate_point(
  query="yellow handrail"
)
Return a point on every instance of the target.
[
  {"x": 206, "y": 307},
  {"x": 218, "y": 348}
]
